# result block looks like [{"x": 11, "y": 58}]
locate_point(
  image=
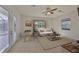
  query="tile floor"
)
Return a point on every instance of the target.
[{"x": 33, "y": 46}]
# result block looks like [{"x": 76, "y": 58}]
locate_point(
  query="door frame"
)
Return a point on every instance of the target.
[{"x": 14, "y": 20}]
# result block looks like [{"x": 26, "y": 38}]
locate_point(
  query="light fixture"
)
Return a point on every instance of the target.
[{"x": 48, "y": 13}]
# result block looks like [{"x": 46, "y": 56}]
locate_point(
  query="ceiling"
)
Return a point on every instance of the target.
[{"x": 36, "y": 10}]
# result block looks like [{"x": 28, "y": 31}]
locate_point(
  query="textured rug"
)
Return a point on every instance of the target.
[
  {"x": 47, "y": 44},
  {"x": 70, "y": 47}
]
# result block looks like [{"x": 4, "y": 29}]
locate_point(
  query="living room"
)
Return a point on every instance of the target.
[{"x": 37, "y": 23}]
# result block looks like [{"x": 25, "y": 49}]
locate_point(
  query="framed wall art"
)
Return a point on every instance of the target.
[
  {"x": 28, "y": 23},
  {"x": 66, "y": 24}
]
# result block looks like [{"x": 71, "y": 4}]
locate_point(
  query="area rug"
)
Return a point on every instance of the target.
[
  {"x": 47, "y": 44},
  {"x": 70, "y": 47}
]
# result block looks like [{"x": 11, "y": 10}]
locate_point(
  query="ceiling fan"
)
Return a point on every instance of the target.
[{"x": 49, "y": 11}]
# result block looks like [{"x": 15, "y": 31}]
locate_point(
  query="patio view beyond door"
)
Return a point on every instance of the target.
[{"x": 4, "y": 30}]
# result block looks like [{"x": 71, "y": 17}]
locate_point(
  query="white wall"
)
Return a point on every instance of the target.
[
  {"x": 74, "y": 32},
  {"x": 24, "y": 18}
]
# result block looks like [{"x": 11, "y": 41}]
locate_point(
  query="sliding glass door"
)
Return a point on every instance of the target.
[
  {"x": 4, "y": 31},
  {"x": 14, "y": 29}
]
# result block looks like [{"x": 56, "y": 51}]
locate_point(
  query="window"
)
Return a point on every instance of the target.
[
  {"x": 4, "y": 36},
  {"x": 66, "y": 24},
  {"x": 40, "y": 24},
  {"x": 3, "y": 25}
]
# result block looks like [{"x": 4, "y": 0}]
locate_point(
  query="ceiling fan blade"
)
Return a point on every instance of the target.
[
  {"x": 51, "y": 12},
  {"x": 54, "y": 9},
  {"x": 48, "y": 9}
]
